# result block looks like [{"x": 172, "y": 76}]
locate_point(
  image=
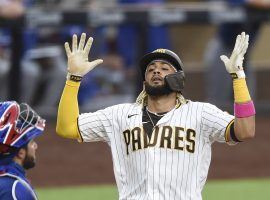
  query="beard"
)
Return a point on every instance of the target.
[
  {"x": 160, "y": 90},
  {"x": 29, "y": 162}
]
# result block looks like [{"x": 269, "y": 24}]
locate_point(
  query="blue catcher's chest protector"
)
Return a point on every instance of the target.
[{"x": 13, "y": 183}]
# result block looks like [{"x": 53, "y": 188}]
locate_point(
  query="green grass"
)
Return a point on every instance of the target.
[
  {"x": 107, "y": 192},
  {"x": 214, "y": 190},
  {"x": 257, "y": 189}
]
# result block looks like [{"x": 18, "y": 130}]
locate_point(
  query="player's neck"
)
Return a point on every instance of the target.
[
  {"x": 18, "y": 160},
  {"x": 162, "y": 103}
]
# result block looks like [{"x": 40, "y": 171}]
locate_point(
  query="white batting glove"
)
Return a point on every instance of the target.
[
  {"x": 78, "y": 64},
  {"x": 234, "y": 65}
]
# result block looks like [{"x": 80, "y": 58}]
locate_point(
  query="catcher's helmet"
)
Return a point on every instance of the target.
[
  {"x": 174, "y": 81},
  {"x": 19, "y": 124}
]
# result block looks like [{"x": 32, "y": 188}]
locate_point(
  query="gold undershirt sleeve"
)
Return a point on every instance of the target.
[
  {"x": 68, "y": 112},
  {"x": 241, "y": 93}
]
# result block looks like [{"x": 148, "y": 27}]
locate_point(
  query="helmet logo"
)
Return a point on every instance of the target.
[
  {"x": 8, "y": 123},
  {"x": 160, "y": 50}
]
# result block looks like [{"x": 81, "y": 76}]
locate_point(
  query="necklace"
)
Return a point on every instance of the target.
[
  {"x": 155, "y": 118},
  {"x": 159, "y": 115},
  {"x": 147, "y": 112},
  {"x": 151, "y": 119}
]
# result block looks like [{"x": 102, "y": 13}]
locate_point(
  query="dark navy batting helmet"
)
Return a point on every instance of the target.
[
  {"x": 163, "y": 54},
  {"x": 174, "y": 81},
  {"x": 19, "y": 124}
]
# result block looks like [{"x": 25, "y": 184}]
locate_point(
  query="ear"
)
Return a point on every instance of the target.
[{"x": 21, "y": 153}]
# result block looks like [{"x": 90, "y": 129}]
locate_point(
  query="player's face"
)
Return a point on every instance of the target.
[
  {"x": 154, "y": 78},
  {"x": 156, "y": 72},
  {"x": 30, "y": 158}
]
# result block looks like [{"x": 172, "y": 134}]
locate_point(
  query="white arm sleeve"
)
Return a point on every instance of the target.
[
  {"x": 215, "y": 122},
  {"x": 95, "y": 126}
]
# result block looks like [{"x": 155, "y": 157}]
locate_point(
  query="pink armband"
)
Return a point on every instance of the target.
[{"x": 244, "y": 109}]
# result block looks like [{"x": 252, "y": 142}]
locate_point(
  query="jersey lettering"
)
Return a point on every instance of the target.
[
  {"x": 126, "y": 134},
  {"x": 179, "y": 140},
  {"x": 163, "y": 137},
  {"x": 191, "y": 139},
  {"x": 154, "y": 137},
  {"x": 136, "y": 139},
  {"x": 166, "y": 136}
]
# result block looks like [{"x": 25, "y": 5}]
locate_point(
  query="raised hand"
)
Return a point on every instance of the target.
[
  {"x": 78, "y": 63},
  {"x": 234, "y": 64}
]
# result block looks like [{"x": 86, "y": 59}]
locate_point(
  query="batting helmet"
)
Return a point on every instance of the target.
[
  {"x": 19, "y": 124},
  {"x": 164, "y": 54},
  {"x": 174, "y": 81}
]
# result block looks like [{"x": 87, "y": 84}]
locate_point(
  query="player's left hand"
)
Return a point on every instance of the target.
[{"x": 234, "y": 64}]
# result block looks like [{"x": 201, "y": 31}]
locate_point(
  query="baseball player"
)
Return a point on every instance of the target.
[
  {"x": 161, "y": 144},
  {"x": 19, "y": 126}
]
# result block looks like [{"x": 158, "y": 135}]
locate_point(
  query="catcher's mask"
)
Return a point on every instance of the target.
[
  {"x": 174, "y": 81},
  {"x": 19, "y": 124}
]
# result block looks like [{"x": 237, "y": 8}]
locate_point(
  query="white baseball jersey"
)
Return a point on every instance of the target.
[{"x": 173, "y": 163}]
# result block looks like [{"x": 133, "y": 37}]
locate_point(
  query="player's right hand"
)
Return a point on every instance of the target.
[
  {"x": 234, "y": 64},
  {"x": 78, "y": 63}
]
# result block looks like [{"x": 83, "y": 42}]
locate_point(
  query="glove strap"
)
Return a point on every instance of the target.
[
  {"x": 74, "y": 78},
  {"x": 238, "y": 75}
]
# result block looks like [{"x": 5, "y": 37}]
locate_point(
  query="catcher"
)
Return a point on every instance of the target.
[{"x": 19, "y": 126}]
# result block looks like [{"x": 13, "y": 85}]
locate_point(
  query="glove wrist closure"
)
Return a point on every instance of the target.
[
  {"x": 74, "y": 78},
  {"x": 238, "y": 74}
]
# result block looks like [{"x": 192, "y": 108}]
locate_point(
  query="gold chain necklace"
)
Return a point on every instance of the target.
[
  {"x": 149, "y": 116},
  {"x": 159, "y": 115},
  {"x": 147, "y": 112}
]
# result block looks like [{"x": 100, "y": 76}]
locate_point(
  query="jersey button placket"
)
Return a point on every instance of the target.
[{"x": 151, "y": 172}]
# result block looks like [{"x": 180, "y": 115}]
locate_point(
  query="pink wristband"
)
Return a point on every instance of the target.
[{"x": 244, "y": 109}]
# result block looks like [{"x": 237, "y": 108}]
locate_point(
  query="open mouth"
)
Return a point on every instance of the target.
[{"x": 156, "y": 79}]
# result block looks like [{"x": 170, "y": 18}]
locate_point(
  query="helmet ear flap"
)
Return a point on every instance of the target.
[
  {"x": 4, "y": 149},
  {"x": 175, "y": 81}
]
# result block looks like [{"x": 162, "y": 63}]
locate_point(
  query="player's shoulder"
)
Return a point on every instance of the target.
[
  {"x": 204, "y": 106},
  {"x": 211, "y": 108},
  {"x": 123, "y": 106},
  {"x": 123, "y": 110},
  {"x": 13, "y": 188},
  {"x": 112, "y": 111},
  {"x": 201, "y": 103},
  {"x": 23, "y": 190},
  {"x": 191, "y": 103},
  {"x": 6, "y": 182}
]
